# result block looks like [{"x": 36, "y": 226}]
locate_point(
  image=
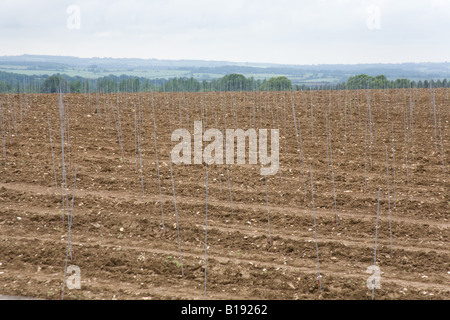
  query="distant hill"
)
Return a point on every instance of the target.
[{"x": 205, "y": 70}]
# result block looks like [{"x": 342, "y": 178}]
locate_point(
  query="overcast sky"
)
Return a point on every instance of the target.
[{"x": 277, "y": 31}]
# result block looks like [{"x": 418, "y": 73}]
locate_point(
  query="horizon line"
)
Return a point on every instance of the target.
[{"x": 230, "y": 62}]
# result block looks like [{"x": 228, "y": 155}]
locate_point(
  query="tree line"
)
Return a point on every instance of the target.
[
  {"x": 364, "y": 81},
  {"x": 16, "y": 83}
]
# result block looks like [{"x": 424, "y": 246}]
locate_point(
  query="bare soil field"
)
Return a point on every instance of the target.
[{"x": 127, "y": 243}]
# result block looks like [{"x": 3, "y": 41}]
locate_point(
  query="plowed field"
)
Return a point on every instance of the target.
[{"x": 124, "y": 249}]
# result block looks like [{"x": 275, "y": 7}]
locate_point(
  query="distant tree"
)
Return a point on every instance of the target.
[
  {"x": 205, "y": 86},
  {"x": 426, "y": 84},
  {"x": 75, "y": 86},
  {"x": 432, "y": 84},
  {"x": 233, "y": 82},
  {"x": 147, "y": 86},
  {"x": 54, "y": 84},
  {"x": 445, "y": 83},
  {"x": 5, "y": 87},
  {"x": 363, "y": 81},
  {"x": 181, "y": 84},
  {"x": 107, "y": 84},
  {"x": 379, "y": 82},
  {"x": 129, "y": 84},
  {"x": 403, "y": 83},
  {"x": 358, "y": 81},
  {"x": 276, "y": 84}
]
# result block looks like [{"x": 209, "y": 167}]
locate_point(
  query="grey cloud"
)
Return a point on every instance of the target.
[{"x": 283, "y": 31}]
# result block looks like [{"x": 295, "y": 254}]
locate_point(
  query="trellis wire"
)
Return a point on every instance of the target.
[
  {"x": 332, "y": 176},
  {"x": 64, "y": 179},
  {"x": 328, "y": 146},
  {"x": 312, "y": 117},
  {"x": 315, "y": 230},
  {"x": 69, "y": 238},
  {"x": 176, "y": 215},
  {"x": 119, "y": 129},
  {"x": 435, "y": 118},
  {"x": 406, "y": 148},
  {"x": 140, "y": 156},
  {"x": 411, "y": 120},
  {"x": 68, "y": 132},
  {"x": 442, "y": 144},
  {"x": 3, "y": 134},
  {"x": 389, "y": 200},
  {"x": 393, "y": 165},
  {"x": 220, "y": 167},
  {"x": 370, "y": 129},
  {"x": 206, "y": 226},
  {"x": 300, "y": 154},
  {"x": 53, "y": 155},
  {"x": 268, "y": 211},
  {"x": 345, "y": 121},
  {"x": 365, "y": 155},
  {"x": 376, "y": 238},
  {"x": 157, "y": 165},
  {"x": 226, "y": 162}
]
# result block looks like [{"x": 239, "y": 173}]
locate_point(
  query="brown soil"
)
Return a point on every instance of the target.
[{"x": 141, "y": 262}]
